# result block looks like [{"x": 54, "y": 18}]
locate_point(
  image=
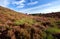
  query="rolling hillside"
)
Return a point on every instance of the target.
[{"x": 15, "y": 25}]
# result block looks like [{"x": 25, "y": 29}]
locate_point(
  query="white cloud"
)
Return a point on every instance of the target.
[
  {"x": 38, "y": 7},
  {"x": 32, "y": 3},
  {"x": 34, "y": 9},
  {"x": 20, "y": 4},
  {"x": 49, "y": 7},
  {"x": 4, "y": 3}
]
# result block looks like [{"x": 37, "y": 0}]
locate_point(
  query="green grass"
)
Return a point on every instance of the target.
[
  {"x": 50, "y": 36},
  {"x": 58, "y": 23},
  {"x": 53, "y": 30},
  {"x": 49, "y": 31},
  {"x": 24, "y": 20}
]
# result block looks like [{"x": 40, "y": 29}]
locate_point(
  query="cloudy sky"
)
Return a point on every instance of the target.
[{"x": 32, "y": 6}]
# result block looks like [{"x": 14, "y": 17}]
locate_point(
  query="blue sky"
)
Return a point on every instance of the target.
[{"x": 32, "y": 6}]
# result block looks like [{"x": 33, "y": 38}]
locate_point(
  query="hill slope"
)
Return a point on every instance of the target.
[
  {"x": 53, "y": 14},
  {"x": 14, "y": 25}
]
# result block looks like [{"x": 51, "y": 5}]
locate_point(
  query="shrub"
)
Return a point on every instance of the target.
[{"x": 48, "y": 24}]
